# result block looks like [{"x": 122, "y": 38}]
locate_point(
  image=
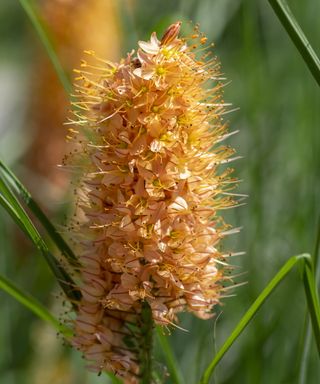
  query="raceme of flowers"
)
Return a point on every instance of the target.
[{"x": 147, "y": 135}]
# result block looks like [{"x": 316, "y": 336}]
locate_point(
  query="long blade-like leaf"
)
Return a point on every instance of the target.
[
  {"x": 33, "y": 304},
  {"x": 41, "y": 311},
  {"x": 176, "y": 375},
  {"x": 296, "y": 34},
  {"x": 19, "y": 215},
  {"x": 248, "y": 316},
  {"x": 40, "y": 28},
  {"x": 312, "y": 301},
  {"x": 306, "y": 333},
  {"x": 25, "y": 195}
]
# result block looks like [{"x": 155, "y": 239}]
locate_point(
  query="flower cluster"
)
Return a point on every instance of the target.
[{"x": 148, "y": 133}]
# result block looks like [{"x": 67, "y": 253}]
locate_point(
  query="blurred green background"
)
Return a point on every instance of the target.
[{"x": 279, "y": 139}]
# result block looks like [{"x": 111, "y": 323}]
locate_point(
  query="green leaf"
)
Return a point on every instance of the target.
[
  {"x": 9, "y": 201},
  {"x": 33, "y": 304},
  {"x": 312, "y": 301},
  {"x": 176, "y": 375},
  {"x": 306, "y": 333},
  {"x": 25, "y": 195},
  {"x": 43, "y": 34},
  {"x": 297, "y": 36},
  {"x": 113, "y": 378},
  {"x": 41, "y": 311}
]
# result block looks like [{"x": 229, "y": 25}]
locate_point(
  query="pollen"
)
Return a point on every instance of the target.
[{"x": 160, "y": 71}]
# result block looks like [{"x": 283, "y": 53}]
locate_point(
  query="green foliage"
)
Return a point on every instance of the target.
[
  {"x": 312, "y": 299},
  {"x": 171, "y": 361},
  {"x": 293, "y": 29},
  {"x": 24, "y": 194},
  {"x": 33, "y": 305},
  {"x": 9, "y": 201},
  {"x": 278, "y": 117}
]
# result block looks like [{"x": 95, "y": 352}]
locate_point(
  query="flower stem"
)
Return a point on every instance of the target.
[{"x": 146, "y": 344}]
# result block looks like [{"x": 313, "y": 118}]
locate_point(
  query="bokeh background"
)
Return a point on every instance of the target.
[{"x": 279, "y": 139}]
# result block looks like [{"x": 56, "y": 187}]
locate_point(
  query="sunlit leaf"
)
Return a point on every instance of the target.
[
  {"x": 21, "y": 191},
  {"x": 312, "y": 300},
  {"x": 19, "y": 215}
]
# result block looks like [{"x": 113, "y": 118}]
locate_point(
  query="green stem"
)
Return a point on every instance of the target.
[
  {"x": 297, "y": 36},
  {"x": 312, "y": 300},
  {"x": 176, "y": 375},
  {"x": 40, "y": 28},
  {"x": 146, "y": 344}
]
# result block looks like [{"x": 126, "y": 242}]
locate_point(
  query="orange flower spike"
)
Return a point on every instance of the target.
[{"x": 151, "y": 192}]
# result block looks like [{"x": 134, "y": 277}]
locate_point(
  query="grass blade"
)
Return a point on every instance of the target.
[
  {"x": 113, "y": 378},
  {"x": 306, "y": 333},
  {"x": 64, "y": 280},
  {"x": 248, "y": 316},
  {"x": 25, "y": 195},
  {"x": 316, "y": 250},
  {"x": 11, "y": 204},
  {"x": 296, "y": 34},
  {"x": 16, "y": 211},
  {"x": 41, "y": 311},
  {"x": 15, "y": 216},
  {"x": 40, "y": 28},
  {"x": 312, "y": 301},
  {"x": 33, "y": 304},
  {"x": 176, "y": 375}
]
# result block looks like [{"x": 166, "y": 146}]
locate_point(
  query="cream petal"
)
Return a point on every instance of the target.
[
  {"x": 178, "y": 205},
  {"x": 149, "y": 47},
  {"x": 126, "y": 224}
]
